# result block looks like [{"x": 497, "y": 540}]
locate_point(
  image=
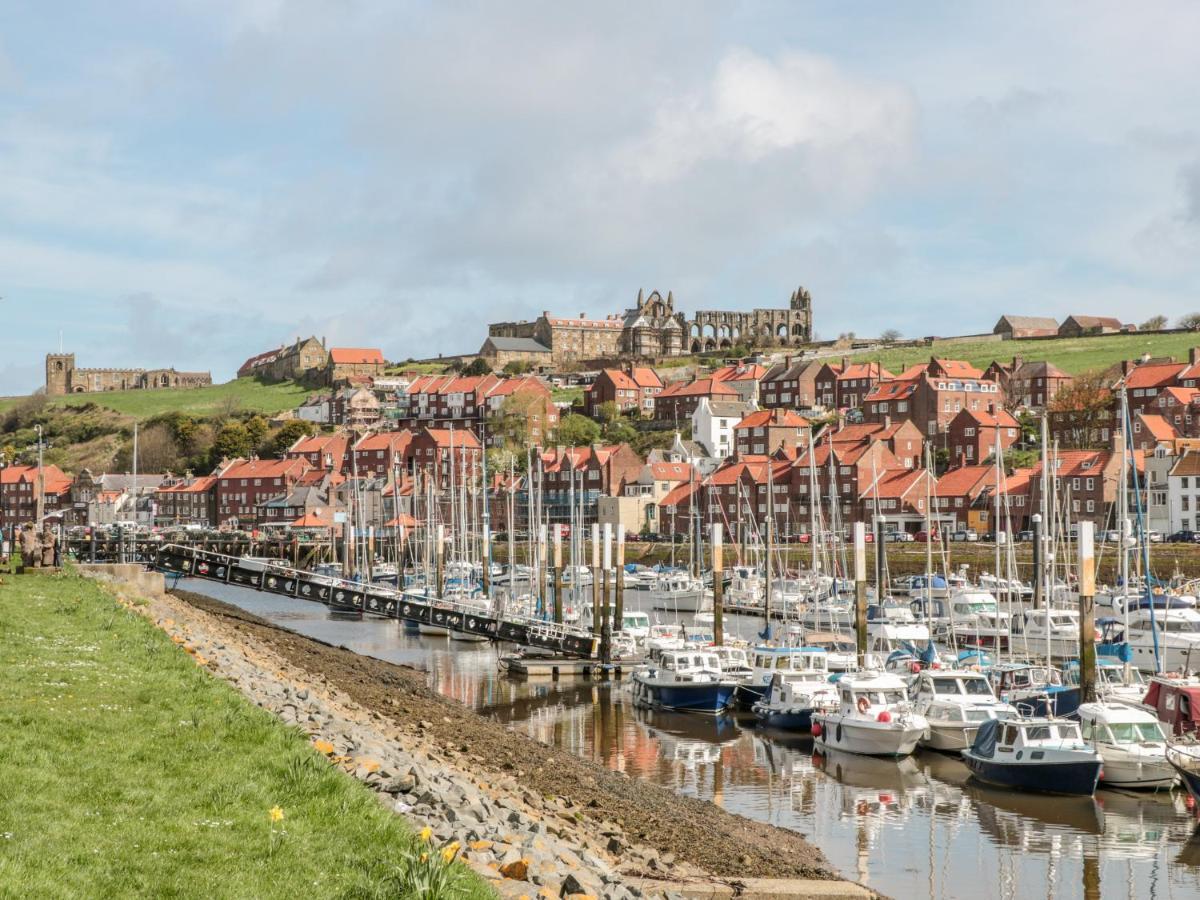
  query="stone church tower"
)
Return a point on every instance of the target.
[{"x": 60, "y": 368}]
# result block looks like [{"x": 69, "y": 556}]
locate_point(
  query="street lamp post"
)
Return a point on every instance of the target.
[{"x": 40, "y": 513}]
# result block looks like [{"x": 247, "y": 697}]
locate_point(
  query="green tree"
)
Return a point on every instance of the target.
[
  {"x": 890, "y": 336},
  {"x": 289, "y": 432},
  {"x": 232, "y": 440},
  {"x": 517, "y": 367},
  {"x": 257, "y": 428},
  {"x": 576, "y": 430},
  {"x": 478, "y": 366},
  {"x": 1154, "y": 323}
]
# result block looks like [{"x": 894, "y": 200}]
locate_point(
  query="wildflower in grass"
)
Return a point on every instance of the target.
[
  {"x": 426, "y": 834},
  {"x": 276, "y": 814},
  {"x": 450, "y": 851}
]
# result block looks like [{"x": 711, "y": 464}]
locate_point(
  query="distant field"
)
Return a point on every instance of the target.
[
  {"x": 247, "y": 393},
  {"x": 1072, "y": 355}
]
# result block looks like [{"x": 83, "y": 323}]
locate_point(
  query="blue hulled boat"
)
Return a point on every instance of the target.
[
  {"x": 1041, "y": 755},
  {"x": 685, "y": 681},
  {"x": 789, "y": 704}
]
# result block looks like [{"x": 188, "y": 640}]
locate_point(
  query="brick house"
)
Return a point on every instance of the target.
[
  {"x": 903, "y": 497},
  {"x": 1087, "y": 480},
  {"x": 592, "y": 472},
  {"x": 958, "y": 491},
  {"x": 1026, "y": 383},
  {"x": 900, "y": 436},
  {"x": 328, "y": 452},
  {"x": 1151, "y": 430},
  {"x": 292, "y": 361},
  {"x": 442, "y": 401},
  {"x": 19, "y": 491},
  {"x": 790, "y": 384},
  {"x": 631, "y": 389},
  {"x": 825, "y": 385},
  {"x": 841, "y": 469},
  {"x": 1143, "y": 382},
  {"x": 245, "y": 485},
  {"x": 933, "y": 394},
  {"x": 355, "y": 407},
  {"x": 856, "y": 380},
  {"x": 972, "y": 435},
  {"x": 189, "y": 500},
  {"x": 500, "y": 351},
  {"x": 736, "y": 494},
  {"x": 432, "y": 451},
  {"x": 380, "y": 453},
  {"x": 744, "y": 377},
  {"x": 767, "y": 430},
  {"x": 677, "y": 402}
]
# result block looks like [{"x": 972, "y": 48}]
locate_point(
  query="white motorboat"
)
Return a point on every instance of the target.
[
  {"x": 735, "y": 662},
  {"x": 635, "y": 624},
  {"x": 1178, "y": 639},
  {"x": 873, "y": 717},
  {"x": 1131, "y": 743},
  {"x": 978, "y": 621},
  {"x": 679, "y": 592},
  {"x": 1063, "y": 627},
  {"x": 955, "y": 703},
  {"x": 664, "y": 637}
]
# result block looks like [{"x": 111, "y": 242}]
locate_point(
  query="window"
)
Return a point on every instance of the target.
[
  {"x": 1091, "y": 506},
  {"x": 1091, "y": 484}
]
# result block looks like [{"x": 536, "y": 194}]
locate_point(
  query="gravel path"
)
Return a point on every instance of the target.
[{"x": 677, "y": 828}]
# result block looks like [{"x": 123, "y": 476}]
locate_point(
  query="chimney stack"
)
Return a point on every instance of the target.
[{"x": 1194, "y": 355}]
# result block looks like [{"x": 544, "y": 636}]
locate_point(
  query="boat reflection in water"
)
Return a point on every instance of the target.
[{"x": 916, "y": 827}]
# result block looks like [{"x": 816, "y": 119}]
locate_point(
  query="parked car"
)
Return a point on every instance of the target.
[
  {"x": 965, "y": 534},
  {"x": 899, "y": 537},
  {"x": 1110, "y": 536},
  {"x": 1155, "y": 537},
  {"x": 1026, "y": 535},
  {"x": 1182, "y": 537},
  {"x": 925, "y": 537}
]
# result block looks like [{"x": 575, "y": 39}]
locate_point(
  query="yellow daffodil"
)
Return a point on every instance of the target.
[
  {"x": 449, "y": 851},
  {"x": 424, "y": 857},
  {"x": 276, "y": 814},
  {"x": 426, "y": 834}
]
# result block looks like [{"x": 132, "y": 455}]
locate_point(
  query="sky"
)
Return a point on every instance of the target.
[{"x": 189, "y": 183}]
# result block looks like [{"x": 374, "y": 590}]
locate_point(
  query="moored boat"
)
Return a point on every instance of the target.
[
  {"x": 683, "y": 680},
  {"x": 1042, "y": 755},
  {"x": 1131, "y": 743},
  {"x": 955, "y": 703},
  {"x": 873, "y": 717}
]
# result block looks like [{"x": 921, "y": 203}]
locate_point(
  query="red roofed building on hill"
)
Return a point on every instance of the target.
[
  {"x": 586, "y": 473},
  {"x": 327, "y": 452},
  {"x": 676, "y": 403},
  {"x": 744, "y": 377},
  {"x": 244, "y": 485},
  {"x": 432, "y": 452},
  {"x": 440, "y": 401},
  {"x": 790, "y": 384},
  {"x": 932, "y": 395},
  {"x": 1087, "y": 484},
  {"x": 381, "y": 453},
  {"x": 768, "y": 430},
  {"x": 856, "y": 380},
  {"x": 347, "y": 361},
  {"x": 973, "y": 434},
  {"x": 904, "y": 497},
  {"x": 631, "y": 389},
  {"x": 958, "y": 490}
]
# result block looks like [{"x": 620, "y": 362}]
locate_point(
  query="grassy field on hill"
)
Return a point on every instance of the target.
[
  {"x": 243, "y": 394},
  {"x": 129, "y": 770},
  {"x": 1072, "y": 355}
]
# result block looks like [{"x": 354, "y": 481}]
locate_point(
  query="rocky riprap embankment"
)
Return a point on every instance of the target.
[{"x": 522, "y": 843}]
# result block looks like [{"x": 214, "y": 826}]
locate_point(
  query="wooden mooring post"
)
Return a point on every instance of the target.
[
  {"x": 1087, "y": 612},
  {"x": 718, "y": 586}
]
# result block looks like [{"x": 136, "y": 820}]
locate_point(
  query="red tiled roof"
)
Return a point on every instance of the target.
[
  {"x": 784, "y": 418},
  {"x": 1153, "y": 375},
  {"x": 864, "y": 370},
  {"x": 385, "y": 440},
  {"x": 666, "y": 471},
  {"x": 1182, "y": 395},
  {"x": 892, "y": 484},
  {"x": 701, "y": 387},
  {"x": 258, "y": 360},
  {"x": 1078, "y": 462},
  {"x": 891, "y": 390},
  {"x": 265, "y": 468},
  {"x": 460, "y": 438},
  {"x": 1001, "y": 417},
  {"x": 313, "y": 520},
  {"x": 957, "y": 368},
  {"x": 740, "y": 372},
  {"x": 965, "y": 480},
  {"x": 680, "y": 493},
  {"x": 1160, "y": 429},
  {"x": 357, "y": 356},
  {"x": 646, "y": 377}
]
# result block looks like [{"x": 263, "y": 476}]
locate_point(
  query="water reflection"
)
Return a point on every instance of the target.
[{"x": 913, "y": 827}]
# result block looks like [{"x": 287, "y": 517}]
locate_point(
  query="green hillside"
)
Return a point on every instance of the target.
[
  {"x": 242, "y": 394},
  {"x": 1072, "y": 355}
]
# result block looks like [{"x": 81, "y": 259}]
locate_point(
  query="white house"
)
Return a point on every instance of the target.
[
  {"x": 1183, "y": 493},
  {"x": 1159, "y": 463},
  {"x": 713, "y": 422}
]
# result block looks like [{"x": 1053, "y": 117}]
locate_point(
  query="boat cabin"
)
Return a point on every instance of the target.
[
  {"x": 953, "y": 685},
  {"x": 635, "y": 622},
  {"x": 1017, "y": 740},
  {"x": 1176, "y": 702},
  {"x": 685, "y": 661},
  {"x": 869, "y": 696},
  {"x": 790, "y": 661},
  {"x": 1119, "y": 725}
]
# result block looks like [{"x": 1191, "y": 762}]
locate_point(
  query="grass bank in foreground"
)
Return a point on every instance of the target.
[{"x": 128, "y": 770}]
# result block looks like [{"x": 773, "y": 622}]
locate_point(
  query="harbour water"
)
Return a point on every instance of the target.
[{"x": 913, "y": 828}]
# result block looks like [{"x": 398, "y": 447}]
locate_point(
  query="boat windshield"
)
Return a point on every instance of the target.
[
  {"x": 946, "y": 686},
  {"x": 1135, "y": 732},
  {"x": 1179, "y": 626},
  {"x": 884, "y": 698},
  {"x": 978, "y": 606},
  {"x": 977, "y": 687}
]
